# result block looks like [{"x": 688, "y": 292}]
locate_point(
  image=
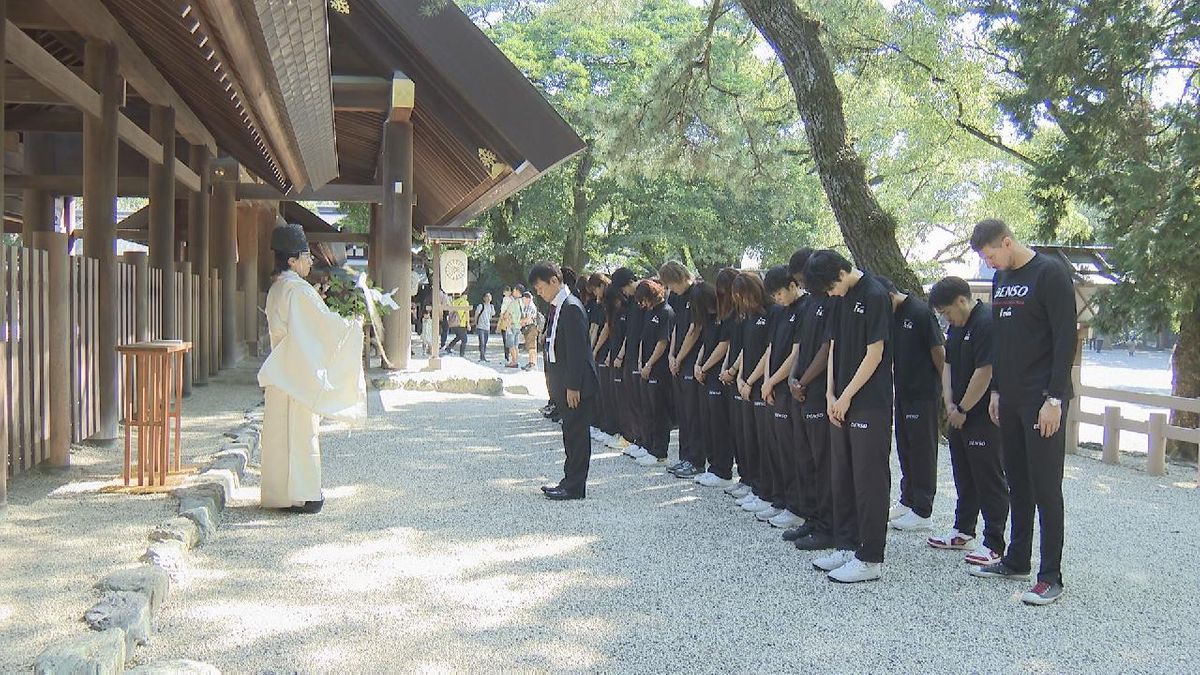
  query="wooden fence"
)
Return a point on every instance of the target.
[
  {"x": 1156, "y": 429},
  {"x": 26, "y": 354}
]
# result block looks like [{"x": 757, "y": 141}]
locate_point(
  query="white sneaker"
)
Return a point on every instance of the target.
[
  {"x": 755, "y": 505},
  {"x": 951, "y": 540},
  {"x": 746, "y": 498},
  {"x": 786, "y": 519},
  {"x": 832, "y": 561},
  {"x": 898, "y": 511},
  {"x": 768, "y": 513},
  {"x": 649, "y": 460},
  {"x": 738, "y": 491},
  {"x": 702, "y": 478},
  {"x": 617, "y": 442},
  {"x": 855, "y": 571},
  {"x": 636, "y": 451},
  {"x": 714, "y": 481},
  {"x": 912, "y": 523},
  {"x": 982, "y": 556}
]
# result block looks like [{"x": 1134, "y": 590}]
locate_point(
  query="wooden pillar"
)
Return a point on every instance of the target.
[
  {"x": 186, "y": 325},
  {"x": 225, "y": 250},
  {"x": 3, "y": 292},
  {"x": 394, "y": 238},
  {"x": 58, "y": 325},
  {"x": 100, "y": 222},
  {"x": 198, "y": 248},
  {"x": 37, "y": 206},
  {"x": 435, "y": 361},
  {"x": 141, "y": 294},
  {"x": 162, "y": 214},
  {"x": 373, "y": 244},
  {"x": 249, "y": 218}
]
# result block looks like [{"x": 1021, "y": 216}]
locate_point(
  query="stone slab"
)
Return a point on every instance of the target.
[
  {"x": 92, "y": 653},
  {"x": 147, "y": 580},
  {"x": 170, "y": 556},
  {"x": 203, "y": 521},
  {"x": 175, "y": 667},
  {"x": 126, "y": 610}
]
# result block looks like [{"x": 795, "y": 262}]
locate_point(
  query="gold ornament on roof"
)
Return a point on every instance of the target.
[
  {"x": 492, "y": 163},
  {"x": 340, "y": 6}
]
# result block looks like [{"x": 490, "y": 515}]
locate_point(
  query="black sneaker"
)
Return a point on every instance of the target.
[
  {"x": 676, "y": 466},
  {"x": 1043, "y": 593},
  {"x": 689, "y": 470},
  {"x": 817, "y": 541},
  {"x": 997, "y": 571},
  {"x": 798, "y": 532}
]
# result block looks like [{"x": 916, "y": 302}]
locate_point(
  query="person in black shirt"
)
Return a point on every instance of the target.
[
  {"x": 1033, "y": 306},
  {"x": 716, "y": 331},
  {"x": 685, "y": 341},
  {"x": 751, "y": 300},
  {"x": 614, "y": 309},
  {"x": 859, "y": 398},
  {"x": 810, "y": 423},
  {"x": 626, "y": 361},
  {"x": 734, "y": 322},
  {"x": 781, "y": 356},
  {"x": 975, "y": 453},
  {"x": 655, "y": 375},
  {"x": 606, "y": 425},
  {"x": 918, "y": 354}
]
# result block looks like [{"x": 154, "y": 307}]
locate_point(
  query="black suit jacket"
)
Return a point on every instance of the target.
[{"x": 574, "y": 366}]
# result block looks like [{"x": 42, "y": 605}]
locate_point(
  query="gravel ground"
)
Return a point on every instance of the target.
[
  {"x": 436, "y": 552},
  {"x": 59, "y": 534}
]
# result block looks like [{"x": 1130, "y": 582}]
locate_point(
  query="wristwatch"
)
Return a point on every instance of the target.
[{"x": 1055, "y": 402}]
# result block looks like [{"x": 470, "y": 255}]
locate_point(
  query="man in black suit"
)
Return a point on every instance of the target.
[{"x": 574, "y": 383}]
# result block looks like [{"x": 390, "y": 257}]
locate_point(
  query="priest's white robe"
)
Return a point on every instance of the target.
[{"x": 314, "y": 370}]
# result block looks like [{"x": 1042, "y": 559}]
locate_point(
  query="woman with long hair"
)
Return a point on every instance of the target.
[
  {"x": 713, "y": 414},
  {"x": 593, "y": 295},
  {"x": 750, "y": 298},
  {"x": 731, "y": 323},
  {"x": 614, "y": 331},
  {"x": 658, "y": 325}
]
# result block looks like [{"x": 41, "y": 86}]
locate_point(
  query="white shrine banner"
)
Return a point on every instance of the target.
[{"x": 454, "y": 271}]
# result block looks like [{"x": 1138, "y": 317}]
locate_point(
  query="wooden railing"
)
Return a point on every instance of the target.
[
  {"x": 26, "y": 353},
  {"x": 1156, "y": 429}
]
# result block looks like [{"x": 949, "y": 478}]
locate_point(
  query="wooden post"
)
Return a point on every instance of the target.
[
  {"x": 186, "y": 327},
  {"x": 1112, "y": 434},
  {"x": 248, "y": 219},
  {"x": 435, "y": 361},
  {"x": 198, "y": 252},
  {"x": 3, "y": 293},
  {"x": 58, "y": 324},
  {"x": 394, "y": 238},
  {"x": 37, "y": 206},
  {"x": 1156, "y": 444},
  {"x": 225, "y": 249},
  {"x": 100, "y": 222},
  {"x": 373, "y": 244},
  {"x": 162, "y": 214},
  {"x": 141, "y": 294}
]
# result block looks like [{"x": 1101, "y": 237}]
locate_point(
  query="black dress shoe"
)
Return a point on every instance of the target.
[
  {"x": 815, "y": 542},
  {"x": 559, "y": 494},
  {"x": 548, "y": 488},
  {"x": 797, "y": 533},
  {"x": 308, "y": 507}
]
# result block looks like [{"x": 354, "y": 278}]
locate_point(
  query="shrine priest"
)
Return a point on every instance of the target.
[{"x": 314, "y": 370}]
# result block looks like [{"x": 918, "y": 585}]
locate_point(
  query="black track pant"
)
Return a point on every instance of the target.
[
  {"x": 686, "y": 399},
  {"x": 656, "y": 404},
  {"x": 602, "y": 400},
  {"x": 718, "y": 440},
  {"x": 978, "y": 464},
  {"x": 812, "y": 440},
  {"x": 631, "y": 397},
  {"x": 862, "y": 482},
  {"x": 917, "y": 448},
  {"x": 737, "y": 432},
  {"x": 1034, "y": 467},
  {"x": 577, "y": 442},
  {"x": 784, "y": 455},
  {"x": 748, "y": 463},
  {"x": 765, "y": 434}
]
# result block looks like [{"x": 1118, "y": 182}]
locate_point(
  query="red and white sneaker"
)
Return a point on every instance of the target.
[
  {"x": 951, "y": 540},
  {"x": 982, "y": 556}
]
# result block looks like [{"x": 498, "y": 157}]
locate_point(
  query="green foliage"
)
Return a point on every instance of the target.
[{"x": 343, "y": 296}]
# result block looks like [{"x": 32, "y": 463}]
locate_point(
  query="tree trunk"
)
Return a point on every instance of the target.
[
  {"x": 869, "y": 231},
  {"x": 1185, "y": 364},
  {"x": 501, "y": 219},
  {"x": 574, "y": 244}
]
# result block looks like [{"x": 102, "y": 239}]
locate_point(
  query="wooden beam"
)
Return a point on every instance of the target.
[
  {"x": 92, "y": 19},
  {"x": 403, "y": 98},
  {"x": 331, "y": 192},
  {"x": 337, "y": 237},
  {"x": 73, "y": 185},
  {"x": 361, "y": 94},
  {"x": 42, "y": 66},
  {"x": 61, "y": 120},
  {"x": 36, "y": 16}
]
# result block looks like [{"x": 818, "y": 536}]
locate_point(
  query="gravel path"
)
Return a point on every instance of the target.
[
  {"x": 59, "y": 534},
  {"x": 435, "y": 552}
]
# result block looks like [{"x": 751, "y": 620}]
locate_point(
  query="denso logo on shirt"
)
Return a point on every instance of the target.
[
  {"x": 1011, "y": 292},
  {"x": 859, "y": 308},
  {"x": 859, "y": 425}
]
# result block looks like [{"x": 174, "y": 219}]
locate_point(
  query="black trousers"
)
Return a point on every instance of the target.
[
  {"x": 631, "y": 403},
  {"x": 737, "y": 434},
  {"x": 917, "y": 449},
  {"x": 656, "y": 404},
  {"x": 812, "y": 431},
  {"x": 748, "y": 462},
  {"x": 718, "y": 440},
  {"x": 686, "y": 400},
  {"x": 577, "y": 440},
  {"x": 1034, "y": 466},
  {"x": 784, "y": 456},
  {"x": 460, "y": 339},
  {"x": 978, "y": 463},
  {"x": 862, "y": 482}
]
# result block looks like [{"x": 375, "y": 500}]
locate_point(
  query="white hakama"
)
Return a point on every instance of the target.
[{"x": 314, "y": 370}]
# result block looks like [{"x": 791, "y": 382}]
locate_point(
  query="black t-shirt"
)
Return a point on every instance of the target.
[
  {"x": 756, "y": 335},
  {"x": 616, "y": 332},
  {"x": 915, "y": 332},
  {"x": 1034, "y": 347},
  {"x": 968, "y": 349},
  {"x": 598, "y": 317},
  {"x": 712, "y": 335},
  {"x": 660, "y": 321},
  {"x": 635, "y": 316},
  {"x": 862, "y": 317},
  {"x": 785, "y": 333},
  {"x": 732, "y": 326},
  {"x": 682, "y": 304},
  {"x": 813, "y": 334}
]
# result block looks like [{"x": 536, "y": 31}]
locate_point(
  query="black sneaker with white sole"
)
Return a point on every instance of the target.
[
  {"x": 997, "y": 571},
  {"x": 817, "y": 541},
  {"x": 795, "y": 533},
  {"x": 1042, "y": 593}
]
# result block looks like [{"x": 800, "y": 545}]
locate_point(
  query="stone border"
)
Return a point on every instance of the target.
[{"x": 131, "y": 599}]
